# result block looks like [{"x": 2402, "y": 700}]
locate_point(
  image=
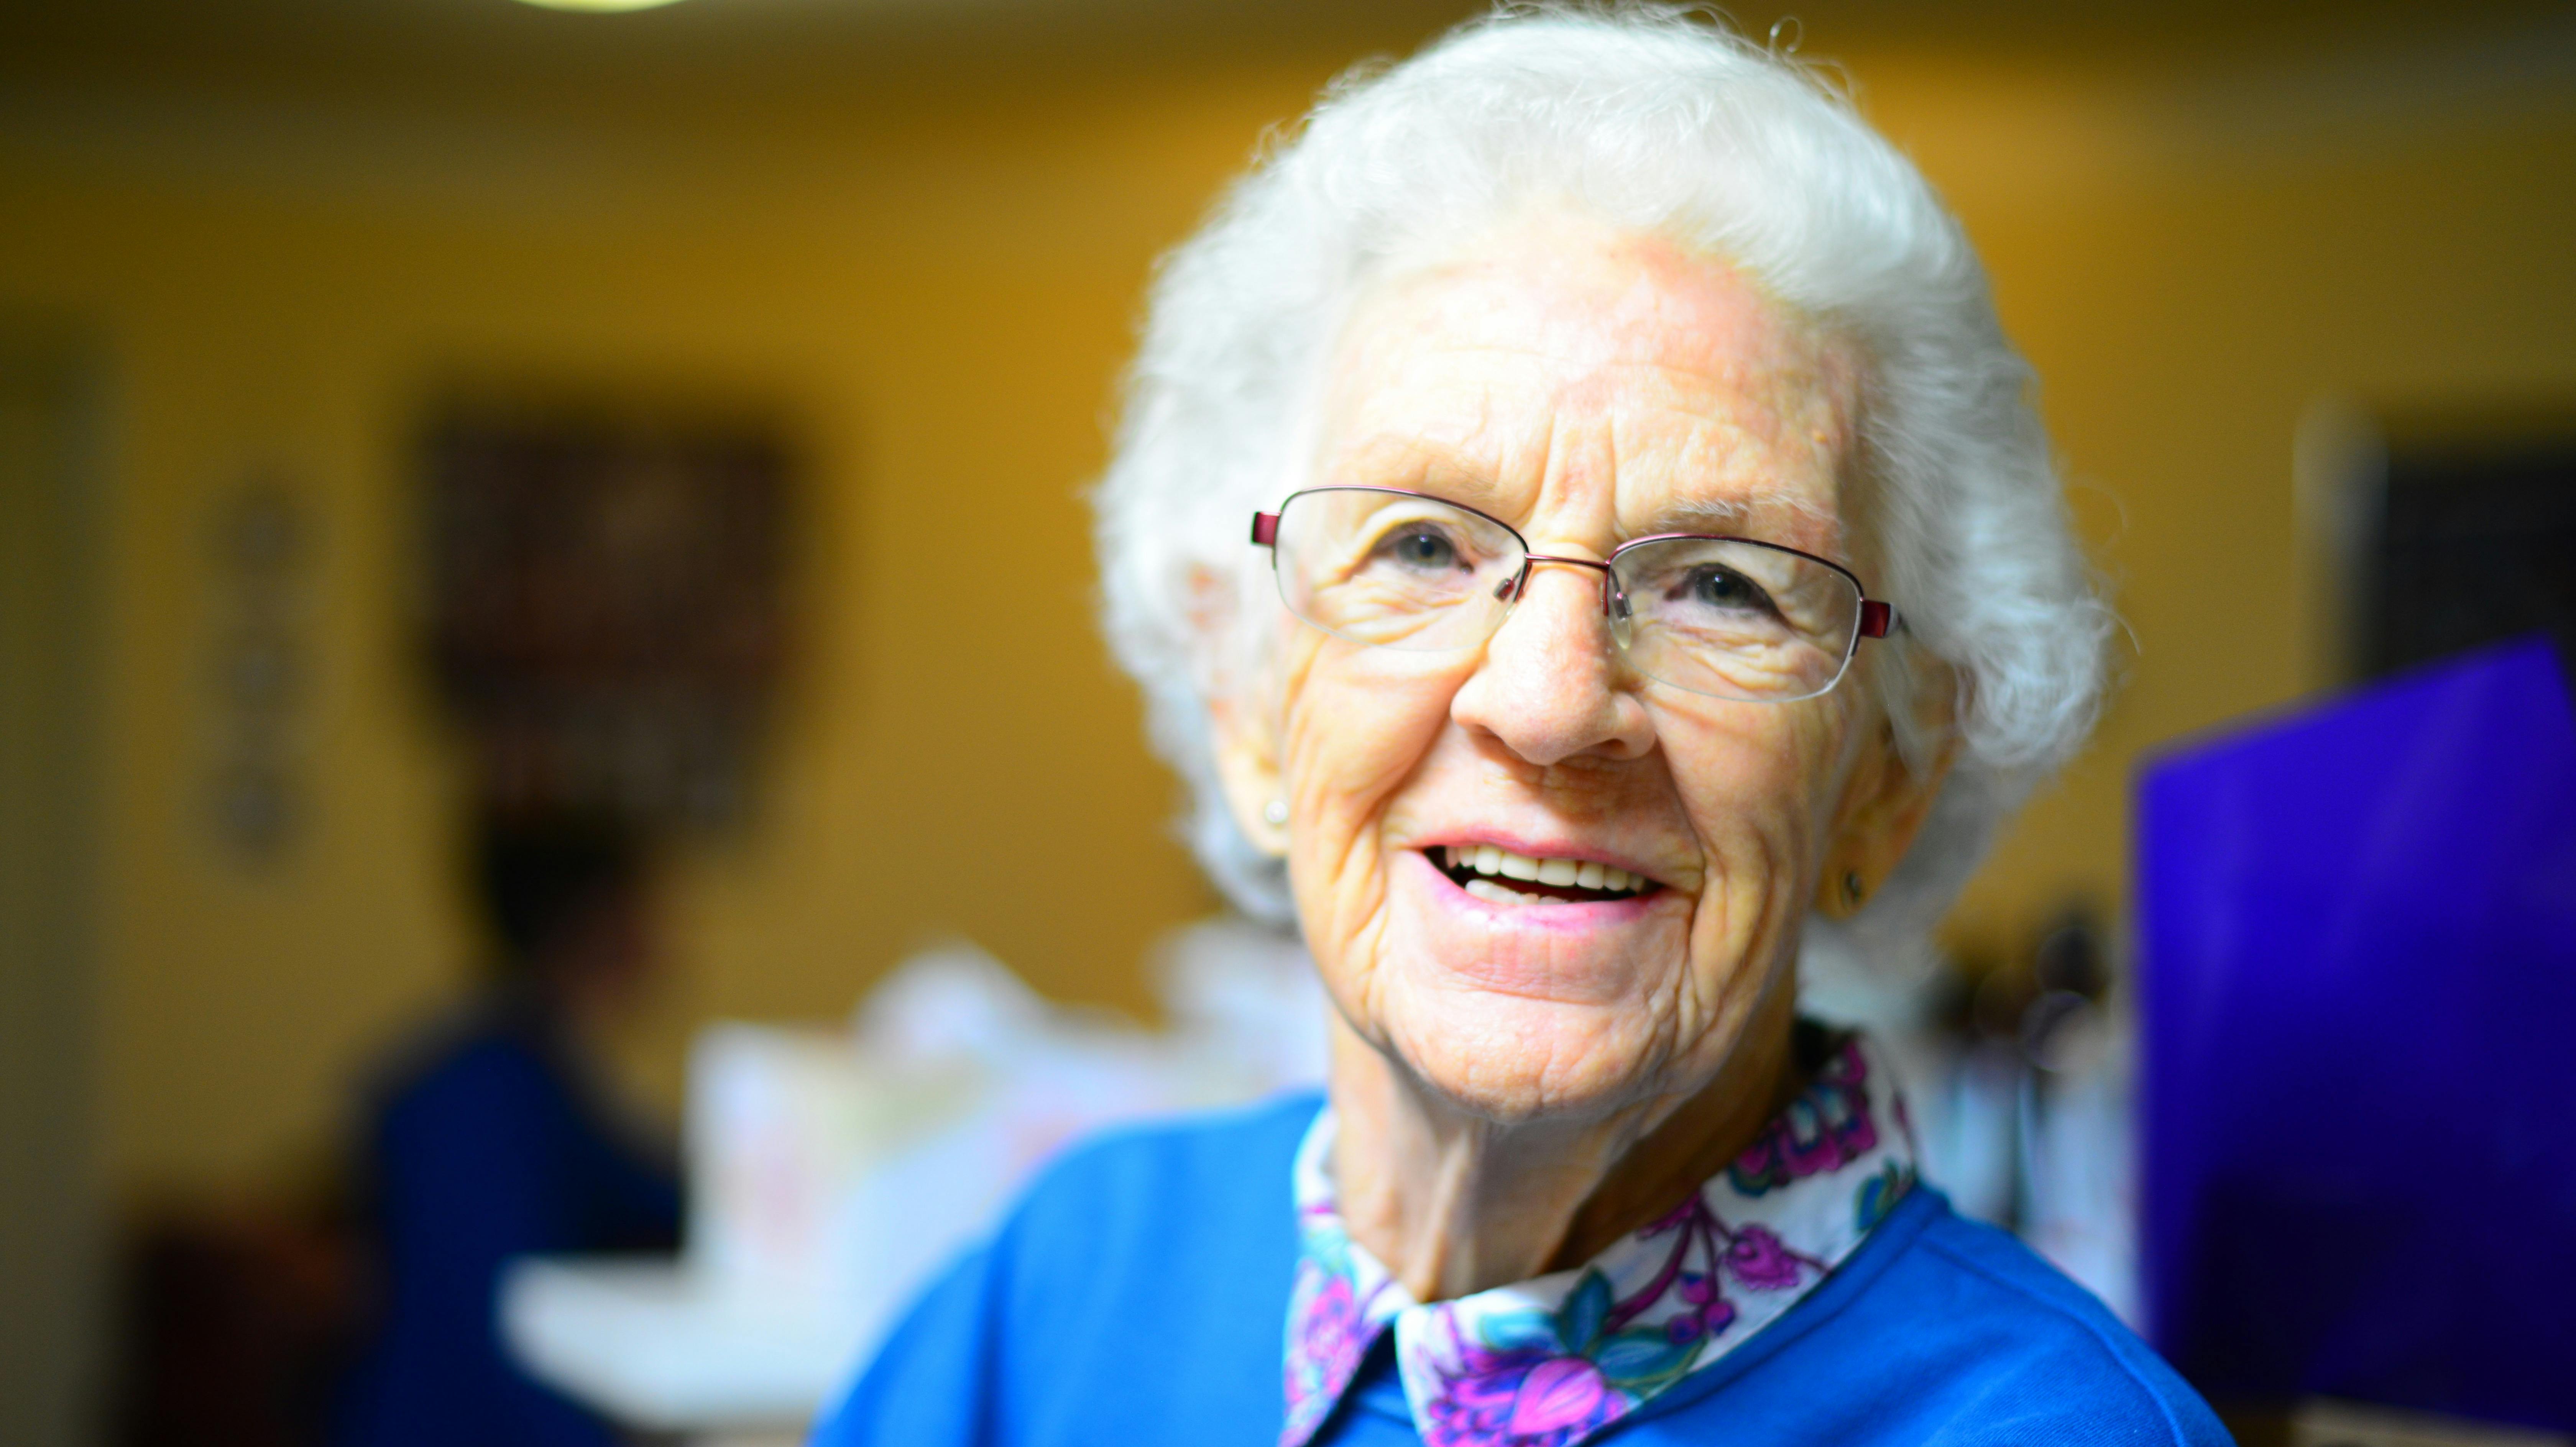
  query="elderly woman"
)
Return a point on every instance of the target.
[{"x": 1654, "y": 569}]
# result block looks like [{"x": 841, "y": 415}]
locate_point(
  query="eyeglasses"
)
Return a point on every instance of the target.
[{"x": 1722, "y": 617}]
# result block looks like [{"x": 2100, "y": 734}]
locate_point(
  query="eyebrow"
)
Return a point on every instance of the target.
[
  {"x": 1412, "y": 465},
  {"x": 1691, "y": 515},
  {"x": 1700, "y": 515}
]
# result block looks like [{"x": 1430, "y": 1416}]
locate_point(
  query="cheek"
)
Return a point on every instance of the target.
[
  {"x": 1357, "y": 723},
  {"x": 1759, "y": 782}
]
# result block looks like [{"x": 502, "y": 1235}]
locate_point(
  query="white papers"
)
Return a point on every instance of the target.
[{"x": 833, "y": 1172}]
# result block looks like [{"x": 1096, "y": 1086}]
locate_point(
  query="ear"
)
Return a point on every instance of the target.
[
  {"x": 1245, "y": 735},
  {"x": 1247, "y": 768},
  {"x": 1885, "y": 803}
]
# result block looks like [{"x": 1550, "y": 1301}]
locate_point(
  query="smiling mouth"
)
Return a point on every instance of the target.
[{"x": 1498, "y": 876}]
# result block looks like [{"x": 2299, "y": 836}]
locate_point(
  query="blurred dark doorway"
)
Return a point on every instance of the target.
[{"x": 51, "y": 1241}]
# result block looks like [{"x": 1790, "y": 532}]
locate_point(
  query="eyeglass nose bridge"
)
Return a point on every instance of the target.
[{"x": 1513, "y": 588}]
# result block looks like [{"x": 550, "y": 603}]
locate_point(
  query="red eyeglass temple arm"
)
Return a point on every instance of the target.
[{"x": 1877, "y": 619}]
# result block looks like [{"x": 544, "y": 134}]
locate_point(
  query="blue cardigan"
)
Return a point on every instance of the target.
[{"x": 1139, "y": 1293}]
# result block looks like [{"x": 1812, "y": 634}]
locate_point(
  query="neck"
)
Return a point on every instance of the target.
[{"x": 1455, "y": 1203}]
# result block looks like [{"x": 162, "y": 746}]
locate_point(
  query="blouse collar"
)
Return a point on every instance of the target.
[{"x": 1551, "y": 1361}]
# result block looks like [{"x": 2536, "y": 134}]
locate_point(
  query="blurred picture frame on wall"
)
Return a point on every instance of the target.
[{"x": 606, "y": 600}]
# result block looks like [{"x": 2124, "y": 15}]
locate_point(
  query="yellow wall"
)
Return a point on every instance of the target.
[
  {"x": 2190, "y": 261},
  {"x": 958, "y": 754}
]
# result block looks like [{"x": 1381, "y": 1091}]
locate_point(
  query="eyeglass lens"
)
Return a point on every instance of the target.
[{"x": 1724, "y": 617}]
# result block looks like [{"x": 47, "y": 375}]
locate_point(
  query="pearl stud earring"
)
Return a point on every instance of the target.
[{"x": 1275, "y": 813}]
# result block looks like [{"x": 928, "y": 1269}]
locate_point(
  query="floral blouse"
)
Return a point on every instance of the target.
[{"x": 1550, "y": 1361}]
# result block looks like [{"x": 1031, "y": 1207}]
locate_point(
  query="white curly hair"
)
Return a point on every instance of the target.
[{"x": 1655, "y": 119}]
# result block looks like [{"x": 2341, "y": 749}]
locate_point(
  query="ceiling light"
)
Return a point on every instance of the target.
[{"x": 600, "y": 6}]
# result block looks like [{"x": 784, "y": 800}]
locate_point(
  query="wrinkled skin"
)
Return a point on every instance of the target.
[{"x": 1519, "y": 1084}]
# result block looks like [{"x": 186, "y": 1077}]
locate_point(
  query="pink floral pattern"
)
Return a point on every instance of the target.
[
  {"x": 1339, "y": 1304},
  {"x": 1825, "y": 1129},
  {"x": 1552, "y": 1361}
]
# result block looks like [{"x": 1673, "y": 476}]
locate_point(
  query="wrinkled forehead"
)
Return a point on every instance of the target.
[{"x": 1563, "y": 368}]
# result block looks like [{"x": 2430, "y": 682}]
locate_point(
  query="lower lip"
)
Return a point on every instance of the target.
[{"x": 1566, "y": 916}]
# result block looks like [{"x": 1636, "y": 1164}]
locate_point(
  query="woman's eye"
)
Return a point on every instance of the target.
[
  {"x": 1420, "y": 549},
  {"x": 1724, "y": 589}
]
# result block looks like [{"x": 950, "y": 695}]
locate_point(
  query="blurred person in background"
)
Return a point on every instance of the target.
[
  {"x": 1656, "y": 570},
  {"x": 493, "y": 1135}
]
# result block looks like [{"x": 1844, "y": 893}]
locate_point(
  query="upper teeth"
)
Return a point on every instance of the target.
[{"x": 1492, "y": 862}]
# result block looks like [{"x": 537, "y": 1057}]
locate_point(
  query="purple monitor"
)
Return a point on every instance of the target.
[{"x": 2357, "y": 963}]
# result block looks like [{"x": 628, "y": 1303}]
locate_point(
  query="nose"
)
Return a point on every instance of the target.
[{"x": 1547, "y": 687}]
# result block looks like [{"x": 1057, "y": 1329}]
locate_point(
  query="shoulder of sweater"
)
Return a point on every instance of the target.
[
  {"x": 1181, "y": 1160},
  {"x": 2065, "y": 1339}
]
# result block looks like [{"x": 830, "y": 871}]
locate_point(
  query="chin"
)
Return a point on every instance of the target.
[{"x": 1518, "y": 1060}]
